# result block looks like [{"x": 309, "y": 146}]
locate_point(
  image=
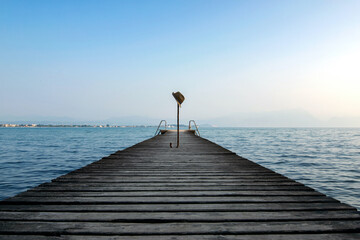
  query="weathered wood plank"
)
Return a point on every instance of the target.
[
  {"x": 181, "y": 216},
  {"x": 230, "y": 199},
  {"x": 106, "y": 228},
  {"x": 175, "y": 184},
  {"x": 152, "y": 175},
  {"x": 40, "y": 237},
  {"x": 169, "y": 193},
  {"x": 177, "y": 207},
  {"x": 334, "y": 236},
  {"x": 173, "y": 188},
  {"x": 218, "y": 181},
  {"x": 193, "y": 178}
]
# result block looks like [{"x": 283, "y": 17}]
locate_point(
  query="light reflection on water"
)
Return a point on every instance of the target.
[{"x": 327, "y": 159}]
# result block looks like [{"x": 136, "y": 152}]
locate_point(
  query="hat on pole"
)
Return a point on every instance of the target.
[{"x": 178, "y": 97}]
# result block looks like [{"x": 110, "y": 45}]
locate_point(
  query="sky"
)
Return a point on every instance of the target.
[{"x": 93, "y": 60}]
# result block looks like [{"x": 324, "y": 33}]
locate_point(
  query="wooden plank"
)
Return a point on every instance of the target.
[
  {"x": 333, "y": 236},
  {"x": 191, "y": 178},
  {"x": 40, "y": 237},
  {"x": 177, "y": 207},
  {"x": 173, "y": 188},
  {"x": 115, "y": 200},
  {"x": 169, "y": 193},
  {"x": 173, "y": 184},
  {"x": 181, "y": 216},
  {"x": 110, "y": 228},
  {"x": 186, "y": 181},
  {"x": 152, "y": 175}
]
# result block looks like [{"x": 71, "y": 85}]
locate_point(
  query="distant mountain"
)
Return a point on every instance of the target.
[
  {"x": 344, "y": 122},
  {"x": 285, "y": 118}
]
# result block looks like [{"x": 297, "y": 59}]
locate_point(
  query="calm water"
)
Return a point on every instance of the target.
[
  {"x": 31, "y": 156},
  {"x": 327, "y": 159}
]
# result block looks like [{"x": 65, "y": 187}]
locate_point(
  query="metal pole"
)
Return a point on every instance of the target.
[{"x": 177, "y": 145}]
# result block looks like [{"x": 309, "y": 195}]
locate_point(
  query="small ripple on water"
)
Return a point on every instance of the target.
[
  {"x": 32, "y": 156},
  {"x": 297, "y": 156}
]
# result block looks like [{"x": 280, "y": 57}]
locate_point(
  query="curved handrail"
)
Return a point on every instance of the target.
[
  {"x": 158, "y": 129},
  {"x": 197, "y": 130}
]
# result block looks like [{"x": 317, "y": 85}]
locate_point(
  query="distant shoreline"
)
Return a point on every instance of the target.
[
  {"x": 9, "y": 125},
  {"x": 67, "y": 126}
]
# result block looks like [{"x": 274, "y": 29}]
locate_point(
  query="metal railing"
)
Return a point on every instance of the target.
[
  {"x": 158, "y": 129},
  {"x": 197, "y": 130}
]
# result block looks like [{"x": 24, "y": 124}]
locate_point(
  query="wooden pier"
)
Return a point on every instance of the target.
[{"x": 153, "y": 192}]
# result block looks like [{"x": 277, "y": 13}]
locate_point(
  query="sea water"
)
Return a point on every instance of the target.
[
  {"x": 31, "y": 156},
  {"x": 326, "y": 159}
]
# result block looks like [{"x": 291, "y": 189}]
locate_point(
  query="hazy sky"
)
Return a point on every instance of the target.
[{"x": 100, "y": 59}]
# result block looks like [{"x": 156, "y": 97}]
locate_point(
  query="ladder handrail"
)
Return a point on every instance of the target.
[
  {"x": 158, "y": 129},
  {"x": 197, "y": 130}
]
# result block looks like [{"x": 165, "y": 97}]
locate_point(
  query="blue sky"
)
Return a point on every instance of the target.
[{"x": 100, "y": 59}]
